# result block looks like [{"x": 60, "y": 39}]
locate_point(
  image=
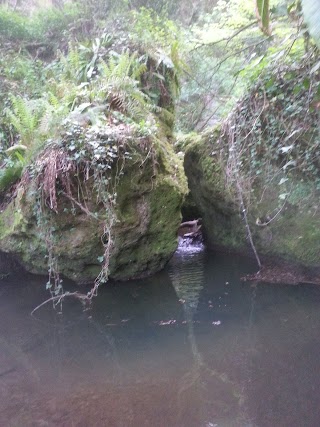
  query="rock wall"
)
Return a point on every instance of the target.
[
  {"x": 262, "y": 165},
  {"x": 289, "y": 230}
]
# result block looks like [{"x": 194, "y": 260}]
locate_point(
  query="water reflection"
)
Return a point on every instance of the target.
[
  {"x": 186, "y": 271},
  {"x": 211, "y": 392},
  {"x": 190, "y": 347}
]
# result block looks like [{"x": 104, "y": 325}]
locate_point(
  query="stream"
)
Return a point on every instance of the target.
[{"x": 189, "y": 347}]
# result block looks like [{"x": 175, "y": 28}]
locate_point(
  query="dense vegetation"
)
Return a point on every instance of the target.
[{"x": 147, "y": 69}]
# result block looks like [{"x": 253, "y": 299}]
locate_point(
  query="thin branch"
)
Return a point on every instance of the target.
[
  {"x": 253, "y": 45},
  {"x": 245, "y": 217},
  {"x": 225, "y": 39},
  {"x": 264, "y": 224},
  {"x": 59, "y": 299}
]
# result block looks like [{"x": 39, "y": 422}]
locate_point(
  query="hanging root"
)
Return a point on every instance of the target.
[{"x": 54, "y": 167}]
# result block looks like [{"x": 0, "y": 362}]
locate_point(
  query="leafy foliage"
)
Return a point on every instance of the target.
[
  {"x": 13, "y": 25},
  {"x": 274, "y": 134},
  {"x": 43, "y": 26},
  {"x": 119, "y": 86},
  {"x": 80, "y": 65},
  {"x": 152, "y": 30}
]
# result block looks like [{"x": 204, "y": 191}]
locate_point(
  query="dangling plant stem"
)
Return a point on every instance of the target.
[
  {"x": 233, "y": 171},
  {"x": 245, "y": 217},
  {"x": 108, "y": 242}
]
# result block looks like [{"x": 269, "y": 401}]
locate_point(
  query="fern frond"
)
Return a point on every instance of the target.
[
  {"x": 53, "y": 100},
  {"x": 119, "y": 85},
  {"x": 25, "y": 116}
]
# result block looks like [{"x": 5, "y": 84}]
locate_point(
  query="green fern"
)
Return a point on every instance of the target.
[
  {"x": 81, "y": 61},
  {"x": 24, "y": 117},
  {"x": 55, "y": 110},
  {"x": 119, "y": 86}
]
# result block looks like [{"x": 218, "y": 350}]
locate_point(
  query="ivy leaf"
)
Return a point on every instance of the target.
[
  {"x": 286, "y": 149},
  {"x": 283, "y": 180},
  {"x": 283, "y": 196},
  {"x": 289, "y": 163}
]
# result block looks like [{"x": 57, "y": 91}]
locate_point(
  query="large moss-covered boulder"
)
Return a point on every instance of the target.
[
  {"x": 262, "y": 165},
  {"x": 67, "y": 220},
  {"x": 101, "y": 187}
]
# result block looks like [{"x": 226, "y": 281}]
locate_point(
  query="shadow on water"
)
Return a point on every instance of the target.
[{"x": 190, "y": 347}]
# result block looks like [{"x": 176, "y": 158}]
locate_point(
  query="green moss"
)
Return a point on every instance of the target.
[
  {"x": 182, "y": 141},
  {"x": 294, "y": 235},
  {"x": 149, "y": 197},
  {"x": 221, "y": 221},
  {"x": 147, "y": 234}
]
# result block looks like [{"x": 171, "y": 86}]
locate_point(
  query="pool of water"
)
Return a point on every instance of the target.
[{"x": 189, "y": 347}]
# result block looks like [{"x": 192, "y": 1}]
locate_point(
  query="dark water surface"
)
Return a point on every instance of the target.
[{"x": 191, "y": 347}]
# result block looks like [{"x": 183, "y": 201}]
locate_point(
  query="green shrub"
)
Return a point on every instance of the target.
[
  {"x": 43, "y": 26},
  {"x": 52, "y": 23},
  {"x": 13, "y": 26},
  {"x": 10, "y": 174}
]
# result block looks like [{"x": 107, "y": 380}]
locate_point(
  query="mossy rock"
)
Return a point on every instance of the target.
[
  {"x": 148, "y": 211},
  {"x": 293, "y": 235},
  {"x": 263, "y": 167}
]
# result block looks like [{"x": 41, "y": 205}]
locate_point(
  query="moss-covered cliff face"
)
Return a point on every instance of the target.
[
  {"x": 266, "y": 154},
  {"x": 148, "y": 203},
  {"x": 293, "y": 235}
]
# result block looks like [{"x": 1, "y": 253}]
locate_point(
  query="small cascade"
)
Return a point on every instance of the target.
[
  {"x": 189, "y": 246},
  {"x": 190, "y": 237}
]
